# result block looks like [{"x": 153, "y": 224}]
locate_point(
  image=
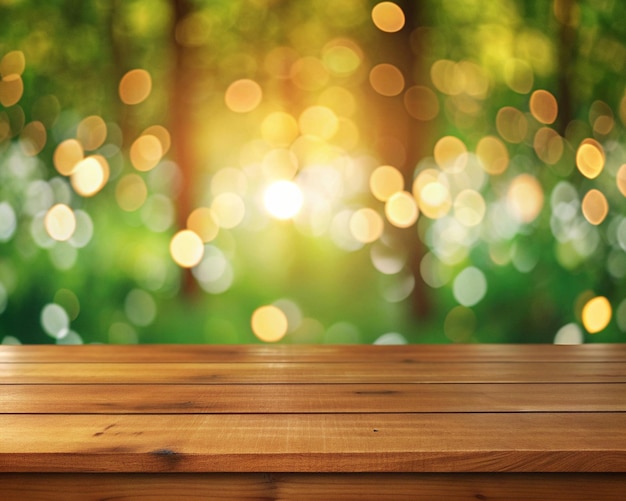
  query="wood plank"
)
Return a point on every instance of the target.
[
  {"x": 311, "y": 398},
  {"x": 312, "y": 487},
  {"x": 315, "y": 353},
  {"x": 449, "y": 442},
  {"x": 298, "y": 372}
]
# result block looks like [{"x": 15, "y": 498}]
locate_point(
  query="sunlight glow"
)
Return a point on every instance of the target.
[{"x": 283, "y": 199}]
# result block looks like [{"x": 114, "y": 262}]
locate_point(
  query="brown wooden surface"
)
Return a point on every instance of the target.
[
  {"x": 319, "y": 353},
  {"x": 318, "y": 398},
  {"x": 313, "y": 487},
  {"x": 318, "y": 372},
  {"x": 287, "y": 422}
]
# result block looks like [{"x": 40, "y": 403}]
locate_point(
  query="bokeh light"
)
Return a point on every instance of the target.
[
  {"x": 318, "y": 121},
  {"x": 11, "y": 90},
  {"x": 186, "y": 248},
  {"x": 595, "y": 206},
  {"x": 8, "y": 221},
  {"x": 12, "y": 63},
  {"x": 135, "y": 86},
  {"x": 388, "y": 17},
  {"x": 543, "y": 106},
  {"x": 162, "y": 134},
  {"x": 366, "y": 225},
  {"x": 342, "y": 57},
  {"x": 131, "y": 192},
  {"x": 91, "y": 132},
  {"x": 89, "y": 176},
  {"x": 203, "y": 223},
  {"x": 60, "y": 222},
  {"x": 279, "y": 129},
  {"x": 435, "y": 170},
  {"x": 55, "y": 320},
  {"x": 620, "y": 179},
  {"x": 386, "y": 79},
  {"x": 309, "y": 74},
  {"x": 590, "y": 159},
  {"x": 525, "y": 198},
  {"x": 469, "y": 207},
  {"x": 450, "y": 153},
  {"x": 269, "y": 323},
  {"x": 432, "y": 195},
  {"x": 548, "y": 145},
  {"x": 146, "y": 152},
  {"x": 33, "y": 138},
  {"x": 470, "y": 286},
  {"x": 384, "y": 181},
  {"x": 493, "y": 155},
  {"x": 243, "y": 96},
  {"x": 140, "y": 307},
  {"x": 569, "y": 334},
  {"x": 401, "y": 209},
  {"x": 512, "y": 124},
  {"x": 421, "y": 103},
  {"x": 66, "y": 155},
  {"x": 596, "y": 314},
  {"x": 228, "y": 209},
  {"x": 459, "y": 324},
  {"x": 518, "y": 75}
]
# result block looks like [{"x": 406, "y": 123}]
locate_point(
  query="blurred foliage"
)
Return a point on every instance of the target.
[{"x": 499, "y": 216}]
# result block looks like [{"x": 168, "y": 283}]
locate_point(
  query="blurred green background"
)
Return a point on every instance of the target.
[{"x": 238, "y": 171}]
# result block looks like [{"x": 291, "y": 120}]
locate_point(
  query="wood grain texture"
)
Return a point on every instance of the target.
[
  {"x": 312, "y": 487},
  {"x": 451, "y": 442},
  {"x": 531, "y": 422},
  {"x": 311, "y": 398},
  {"x": 303, "y": 372},
  {"x": 315, "y": 353}
]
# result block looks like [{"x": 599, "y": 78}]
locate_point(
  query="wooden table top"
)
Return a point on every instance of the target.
[{"x": 286, "y": 408}]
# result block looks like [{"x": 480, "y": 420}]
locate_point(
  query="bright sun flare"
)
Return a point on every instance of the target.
[{"x": 283, "y": 199}]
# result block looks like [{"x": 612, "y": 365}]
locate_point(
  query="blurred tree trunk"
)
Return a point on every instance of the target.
[
  {"x": 182, "y": 125},
  {"x": 565, "y": 12},
  {"x": 412, "y": 136}
]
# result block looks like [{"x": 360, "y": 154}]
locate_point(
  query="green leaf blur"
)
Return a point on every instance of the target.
[{"x": 186, "y": 171}]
